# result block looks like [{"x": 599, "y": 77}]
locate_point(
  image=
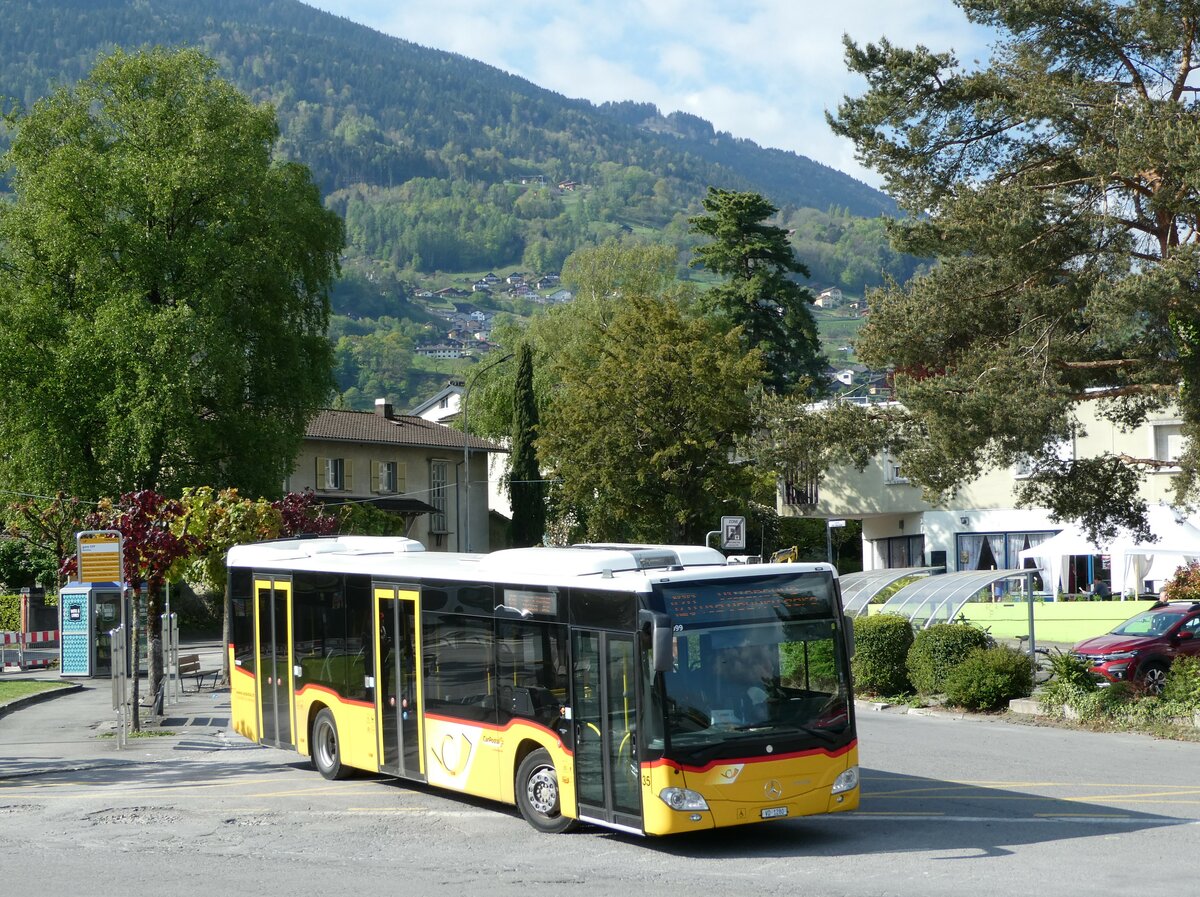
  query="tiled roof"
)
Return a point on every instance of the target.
[{"x": 399, "y": 429}]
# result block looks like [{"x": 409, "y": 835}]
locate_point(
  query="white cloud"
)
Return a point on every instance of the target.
[{"x": 765, "y": 70}]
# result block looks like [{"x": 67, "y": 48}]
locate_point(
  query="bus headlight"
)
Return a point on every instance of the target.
[
  {"x": 683, "y": 799},
  {"x": 847, "y": 781}
]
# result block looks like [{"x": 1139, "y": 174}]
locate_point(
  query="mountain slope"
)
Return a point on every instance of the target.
[{"x": 358, "y": 106}]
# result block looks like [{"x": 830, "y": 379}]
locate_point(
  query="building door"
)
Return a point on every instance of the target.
[
  {"x": 604, "y": 706},
  {"x": 273, "y": 624},
  {"x": 398, "y": 695}
]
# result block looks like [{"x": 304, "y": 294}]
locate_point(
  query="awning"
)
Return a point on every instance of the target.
[
  {"x": 938, "y": 599},
  {"x": 859, "y": 588}
]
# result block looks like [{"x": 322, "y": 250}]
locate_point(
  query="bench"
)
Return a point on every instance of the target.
[{"x": 189, "y": 665}]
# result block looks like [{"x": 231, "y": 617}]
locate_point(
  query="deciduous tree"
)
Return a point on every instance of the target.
[
  {"x": 642, "y": 439},
  {"x": 163, "y": 304}
]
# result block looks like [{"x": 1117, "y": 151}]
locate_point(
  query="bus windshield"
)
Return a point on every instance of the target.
[{"x": 780, "y": 672}]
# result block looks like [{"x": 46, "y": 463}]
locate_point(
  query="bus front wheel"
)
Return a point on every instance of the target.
[
  {"x": 538, "y": 795},
  {"x": 326, "y": 753}
]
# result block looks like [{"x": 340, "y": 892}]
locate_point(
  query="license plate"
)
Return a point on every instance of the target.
[{"x": 774, "y": 812}]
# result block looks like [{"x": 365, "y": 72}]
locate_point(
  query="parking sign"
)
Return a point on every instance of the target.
[{"x": 733, "y": 532}]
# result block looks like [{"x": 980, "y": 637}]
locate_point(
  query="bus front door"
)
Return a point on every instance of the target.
[
  {"x": 604, "y": 707},
  {"x": 398, "y": 696},
  {"x": 273, "y": 684}
]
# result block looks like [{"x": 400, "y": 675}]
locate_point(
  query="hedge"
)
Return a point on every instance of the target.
[
  {"x": 939, "y": 649},
  {"x": 881, "y": 644}
]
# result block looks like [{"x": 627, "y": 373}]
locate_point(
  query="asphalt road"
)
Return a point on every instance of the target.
[{"x": 950, "y": 807}]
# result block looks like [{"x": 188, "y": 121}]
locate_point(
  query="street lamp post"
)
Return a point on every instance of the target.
[{"x": 466, "y": 521}]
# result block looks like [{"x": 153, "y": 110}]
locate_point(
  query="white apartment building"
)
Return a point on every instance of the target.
[{"x": 981, "y": 528}]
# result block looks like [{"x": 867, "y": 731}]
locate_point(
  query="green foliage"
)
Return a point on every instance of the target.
[
  {"x": 10, "y": 613},
  {"x": 367, "y": 520},
  {"x": 881, "y": 646},
  {"x": 809, "y": 662},
  {"x": 1069, "y": 670},
  {"x": 1183, "y": 683},
  {"x": 988, "y": 678},
  {"x": 525, "y": 475},
  {"x": 1062, "y": 246},
  {"x": 772, "y": 311},
  {"x": 939, "y": 649},
  {"x": 174, "y": 279},
  {"x": 641, "y": 427}
]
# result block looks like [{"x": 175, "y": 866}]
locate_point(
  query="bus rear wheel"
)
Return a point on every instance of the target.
[
  {"x": 538, "y": 794},
  {"x": 326, "y": 753}
]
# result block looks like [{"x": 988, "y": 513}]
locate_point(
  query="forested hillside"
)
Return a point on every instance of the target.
[{"x": 443, "y": 165}]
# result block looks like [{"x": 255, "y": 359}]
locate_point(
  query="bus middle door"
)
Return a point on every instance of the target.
[
  {"x": 274, "y": 684},
  {"x": 604, "y": 706},
  {"x": 398, "y": 696}
]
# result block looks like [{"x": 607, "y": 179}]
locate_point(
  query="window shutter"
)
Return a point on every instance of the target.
[
  {"x": 321, "y": 482},
  {"x": 375, "y": 476},
  {"x": 400, "y": 476},
  {"x": 348, "y": 474}
]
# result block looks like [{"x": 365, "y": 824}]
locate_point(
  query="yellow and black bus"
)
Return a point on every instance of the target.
[{"x": 650, "y": 689}]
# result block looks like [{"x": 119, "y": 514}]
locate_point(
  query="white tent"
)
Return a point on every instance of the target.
[{"x": 1176, "y": 542}]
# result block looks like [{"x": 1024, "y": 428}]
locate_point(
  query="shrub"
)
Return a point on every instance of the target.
[
  {"x": 1070, "y": 670},
  {"x": 939, "y": 649},
  {"x": 989, "y": 678},
  {"x": 881, "y": 646},
  {"x": 1184, "y": 585},
  {"x": 1183, "y": 683},
  {"x": 10, "y": 613}
]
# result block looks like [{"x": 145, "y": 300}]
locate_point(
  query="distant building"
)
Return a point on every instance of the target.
[{"x": 403, "y": 464}]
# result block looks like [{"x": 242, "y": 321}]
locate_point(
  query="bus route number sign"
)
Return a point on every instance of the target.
[{"x": 733, "y": 532}]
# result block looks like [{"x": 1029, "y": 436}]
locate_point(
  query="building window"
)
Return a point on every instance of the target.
[
  {"x": 891, "y": 470},
  {"x": 1168, "y": 442},
  {"x": 333, "y": 474},
  {"x": 437, "y": 495},
  {"x": 1060, "y": 449},
  {"x": 387, "y": 476},
  {"x": 902, "y": 551}
]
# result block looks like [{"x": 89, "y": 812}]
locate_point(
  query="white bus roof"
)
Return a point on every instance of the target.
[{"x": 395, "y": 557}]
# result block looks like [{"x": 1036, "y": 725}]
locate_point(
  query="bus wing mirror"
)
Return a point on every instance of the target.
[
  {"x": 849, "y": 637},
  {"x": 657, "y": 626}
]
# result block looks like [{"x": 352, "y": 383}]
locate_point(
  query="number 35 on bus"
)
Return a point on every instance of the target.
[{"x": 650, "y": 689}]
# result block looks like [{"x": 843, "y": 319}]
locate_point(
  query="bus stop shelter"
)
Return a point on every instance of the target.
[
  {"x": 939, "y": 599},
  {"x": 858, "y": 589}
]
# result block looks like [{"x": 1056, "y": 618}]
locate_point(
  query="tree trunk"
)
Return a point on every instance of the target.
[{"x": 154, "y": 638}]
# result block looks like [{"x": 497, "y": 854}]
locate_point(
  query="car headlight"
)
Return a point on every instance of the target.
[
  {"x": 683, "y": 799},
  {"x": 1119, "y": 655},
  {"x": 847, "y": 781}
]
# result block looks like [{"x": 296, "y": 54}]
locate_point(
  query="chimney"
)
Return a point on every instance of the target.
[{"x": 384, "y": 407}]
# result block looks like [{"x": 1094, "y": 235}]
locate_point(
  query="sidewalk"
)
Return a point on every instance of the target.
[{"x": 76, "y": 727}]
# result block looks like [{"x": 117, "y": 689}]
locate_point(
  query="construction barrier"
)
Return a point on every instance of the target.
[{"x": 23, "y": 640}]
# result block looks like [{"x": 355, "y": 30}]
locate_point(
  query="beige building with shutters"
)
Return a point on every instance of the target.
[{"x": 402, "y": 464}]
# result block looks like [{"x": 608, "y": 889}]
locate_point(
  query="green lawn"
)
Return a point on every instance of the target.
[{"x": 18, "y": 689}]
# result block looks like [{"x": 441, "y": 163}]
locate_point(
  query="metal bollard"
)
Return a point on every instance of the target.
[{"x": 120, "y": 684}]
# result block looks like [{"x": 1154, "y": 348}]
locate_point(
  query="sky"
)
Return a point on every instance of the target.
[{"x": 765, "y": 70}]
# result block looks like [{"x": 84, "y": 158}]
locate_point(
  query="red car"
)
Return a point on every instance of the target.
[{"x": 1142, "y": 648}]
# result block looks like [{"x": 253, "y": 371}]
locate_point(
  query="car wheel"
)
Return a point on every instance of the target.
[
  {"x": 1153, "y": 677},
  {"x": 538, "y": 796},
  {"x": 325, "y": 749}
]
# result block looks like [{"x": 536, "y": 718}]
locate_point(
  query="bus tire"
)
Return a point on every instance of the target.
[
  {"x": 538, "y": 794},
  {"x": 324, "y": 745}
]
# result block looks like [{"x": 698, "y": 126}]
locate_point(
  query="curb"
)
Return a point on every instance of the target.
[{"x": 37, "y": 698}]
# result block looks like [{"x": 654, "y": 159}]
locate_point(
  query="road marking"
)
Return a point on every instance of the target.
[{"x": 1089, "y": 819}]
